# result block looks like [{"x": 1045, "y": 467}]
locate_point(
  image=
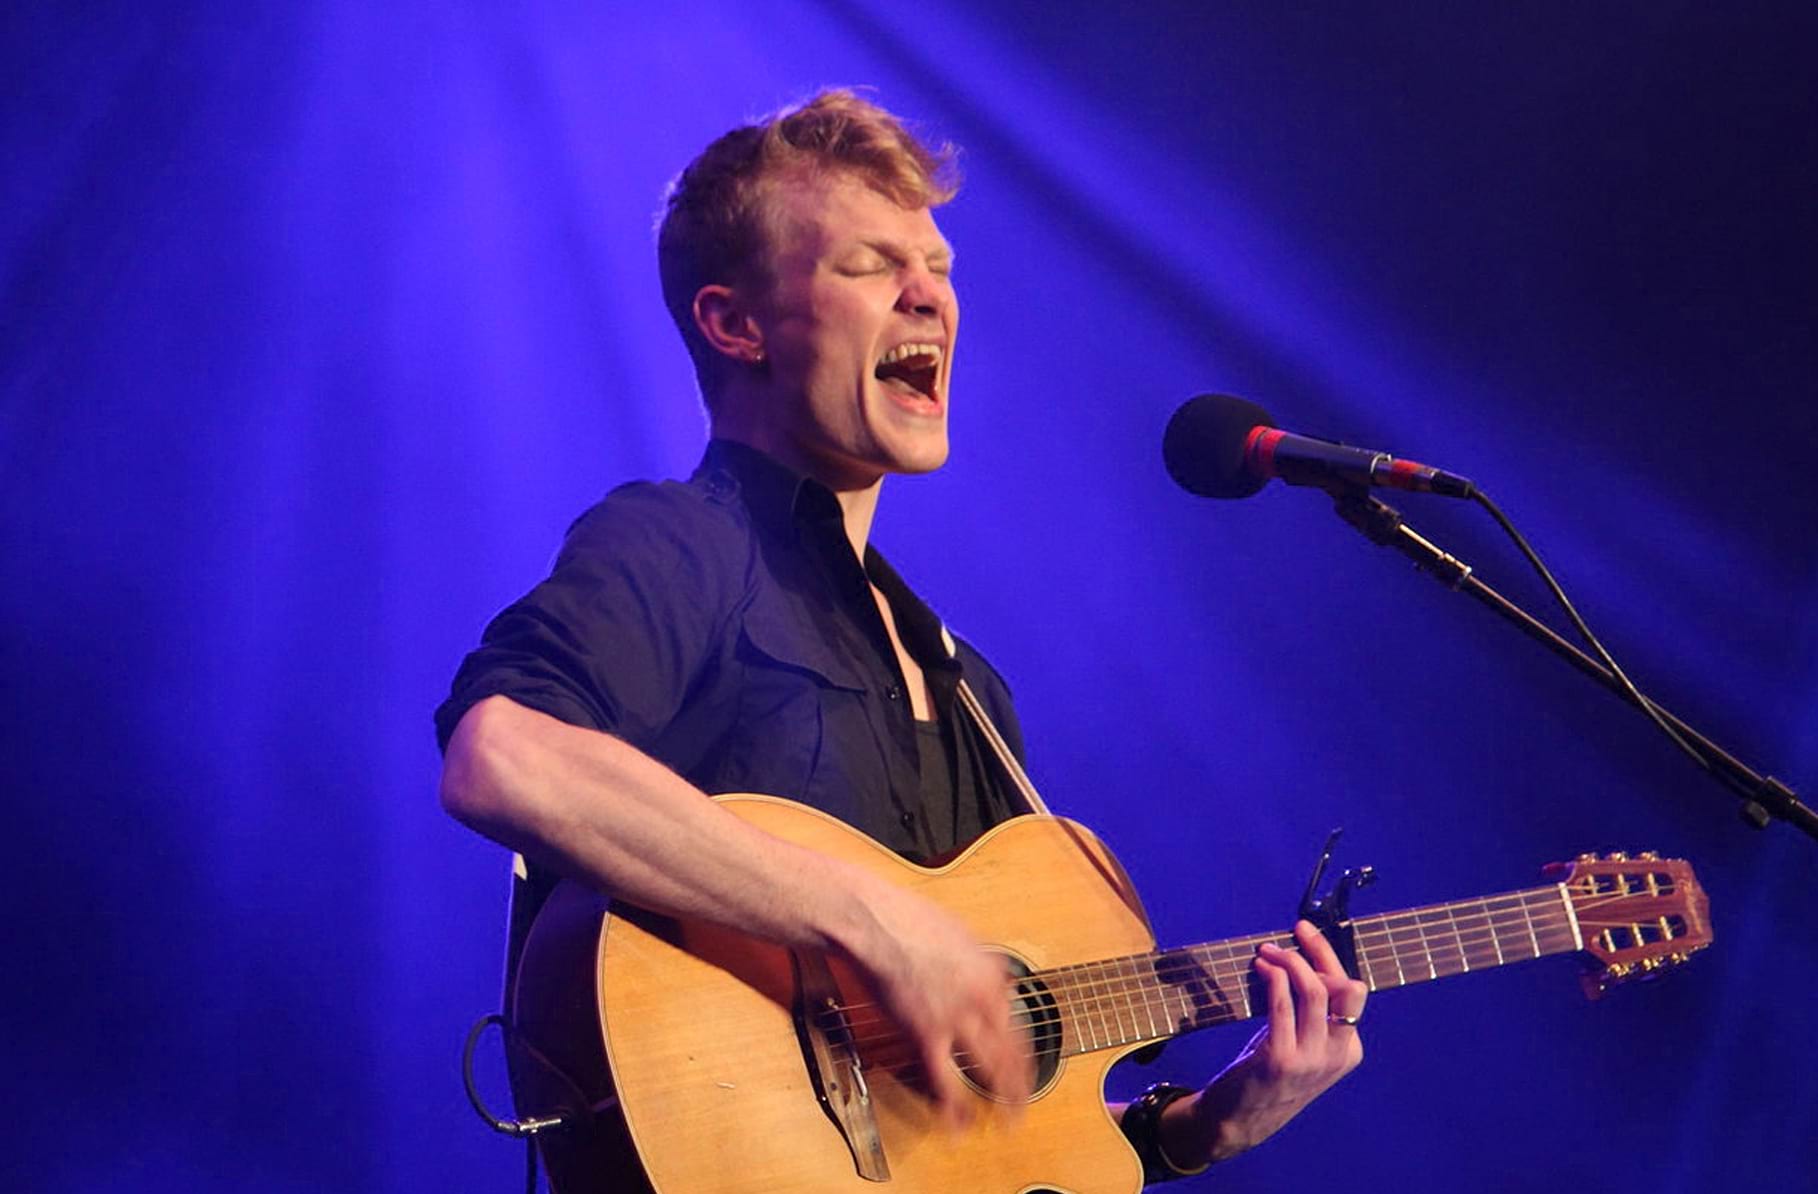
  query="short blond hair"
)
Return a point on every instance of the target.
[{"x": 714, "y": 227}]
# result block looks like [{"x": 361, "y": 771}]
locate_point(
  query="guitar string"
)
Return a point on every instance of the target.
[
  {"x": 1481, "y": 924},
  {"x": 888, "y": 1053},
  {"x": 1099, "y": 995},
  {"x": 1097, "y": 988},
  {"x": 1237, "y": 951},
  {"x": 1103, "y": 994},
  {"x": 877, "y": 1044}
]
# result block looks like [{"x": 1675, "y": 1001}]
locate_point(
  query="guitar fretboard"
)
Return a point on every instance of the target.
[{"x": 1151, "y": 997}]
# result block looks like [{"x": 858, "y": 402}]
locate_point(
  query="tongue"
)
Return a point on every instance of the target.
[{"x": 916, "y": 373}]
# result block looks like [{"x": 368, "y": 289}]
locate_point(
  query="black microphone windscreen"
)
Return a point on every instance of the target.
[{"x": 1204, "y": 445}]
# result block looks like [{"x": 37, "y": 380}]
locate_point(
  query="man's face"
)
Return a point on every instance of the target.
[{"x": 858, "y": 324}]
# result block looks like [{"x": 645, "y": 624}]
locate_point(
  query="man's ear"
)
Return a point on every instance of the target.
[{"x": 727, "y": 323}]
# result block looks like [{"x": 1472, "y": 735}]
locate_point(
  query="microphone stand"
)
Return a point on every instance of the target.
[{"x": 1763, "y": 798}]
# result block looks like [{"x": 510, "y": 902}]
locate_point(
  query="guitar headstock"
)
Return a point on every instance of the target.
[{"x": 1638, "y": 916}]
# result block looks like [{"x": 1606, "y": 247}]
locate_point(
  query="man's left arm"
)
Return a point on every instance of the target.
[{"x": 1309, "y": 1042}]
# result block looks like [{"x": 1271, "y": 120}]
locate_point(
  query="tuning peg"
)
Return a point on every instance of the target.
[
  {"x": 1616, "y": 856},
  {"x": 1648, "y": 856},
  {"x": 1586, "y": 857}
]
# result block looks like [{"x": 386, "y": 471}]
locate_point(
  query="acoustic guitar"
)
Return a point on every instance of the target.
[{"x": 690, "y": 1059}]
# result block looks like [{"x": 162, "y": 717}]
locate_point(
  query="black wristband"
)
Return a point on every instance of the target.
[{"x": 1141, "y": 1125}]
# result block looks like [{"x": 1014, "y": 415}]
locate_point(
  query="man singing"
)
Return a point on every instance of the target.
[{"x": 737, "y": 633}]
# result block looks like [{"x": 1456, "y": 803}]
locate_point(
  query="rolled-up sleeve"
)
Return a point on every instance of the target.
[{"x": 633, "y": 610}]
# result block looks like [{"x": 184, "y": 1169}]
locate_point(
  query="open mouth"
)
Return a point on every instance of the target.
[{"x": 912, "y": 369}]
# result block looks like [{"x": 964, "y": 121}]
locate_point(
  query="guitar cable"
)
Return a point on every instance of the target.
[{"x": 524, "y": 1129}]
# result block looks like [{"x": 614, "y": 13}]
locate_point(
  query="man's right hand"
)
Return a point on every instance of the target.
[{"x": 950, "y": 996}]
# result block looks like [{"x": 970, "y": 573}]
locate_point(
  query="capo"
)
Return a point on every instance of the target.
[{"x": 1331, "y": 913}]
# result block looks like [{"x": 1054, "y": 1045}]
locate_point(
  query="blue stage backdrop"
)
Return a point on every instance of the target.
[{"x": 321, "y": 320}]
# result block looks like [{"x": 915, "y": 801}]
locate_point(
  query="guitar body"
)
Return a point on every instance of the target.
[{"x": 693, "y": 1029}]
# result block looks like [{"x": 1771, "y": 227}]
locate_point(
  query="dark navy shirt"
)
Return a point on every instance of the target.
[{"x": 725, "y": 627}]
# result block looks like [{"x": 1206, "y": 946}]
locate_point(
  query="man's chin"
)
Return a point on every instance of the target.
[{"x": 917, "y": 458}]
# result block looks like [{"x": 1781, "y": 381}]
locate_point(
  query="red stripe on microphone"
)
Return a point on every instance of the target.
[
  {"x": 1407, "y": 474},
  {"x": 1259, "y": 449}
]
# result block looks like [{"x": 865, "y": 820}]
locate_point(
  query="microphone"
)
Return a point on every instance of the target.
[{"x": 1224, "y": 447}]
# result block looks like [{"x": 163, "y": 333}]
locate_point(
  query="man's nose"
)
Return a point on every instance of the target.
[{"x": 924, "y": 292}]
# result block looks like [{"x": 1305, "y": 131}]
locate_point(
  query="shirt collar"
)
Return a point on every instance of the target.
[
  {"x": 774, "y": 493},
  {"x": 923, "y": 633},
  {"x": 778, "y": 496}
]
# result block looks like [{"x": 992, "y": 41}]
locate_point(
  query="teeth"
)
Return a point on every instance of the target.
[{"x": 903, "y": 352}]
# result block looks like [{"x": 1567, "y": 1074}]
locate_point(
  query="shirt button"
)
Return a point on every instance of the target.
[
  {"x": 894, "y": 693},
  {"x": 908, "y": 820}
]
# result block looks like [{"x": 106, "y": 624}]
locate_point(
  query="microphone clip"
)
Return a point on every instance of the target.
[{"x": 1382, "y": 525}]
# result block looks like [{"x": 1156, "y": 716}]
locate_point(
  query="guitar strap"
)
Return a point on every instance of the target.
[{"x": 974, "y": 708}]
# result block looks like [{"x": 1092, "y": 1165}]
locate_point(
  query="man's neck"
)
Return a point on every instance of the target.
[
  {"x": 858, "y": 507},
  {"x": 857, "y": 496}
]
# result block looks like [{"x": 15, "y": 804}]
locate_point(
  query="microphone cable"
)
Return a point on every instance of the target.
[{"x": 1634, "y": 694}]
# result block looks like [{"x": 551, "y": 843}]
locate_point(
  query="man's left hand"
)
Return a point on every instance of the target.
[{"x": 1310, "y": 1042}]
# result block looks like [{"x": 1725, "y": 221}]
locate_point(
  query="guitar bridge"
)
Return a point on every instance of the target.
[{"x": 835, "y": 1065}]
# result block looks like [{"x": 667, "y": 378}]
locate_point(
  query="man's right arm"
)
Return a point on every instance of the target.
[{"x": 595, "y": 809}]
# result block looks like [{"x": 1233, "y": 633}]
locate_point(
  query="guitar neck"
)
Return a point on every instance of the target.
[{"x": 1152, "y": 997}]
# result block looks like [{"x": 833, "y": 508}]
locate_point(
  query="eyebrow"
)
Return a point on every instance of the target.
[{"x": 889, "y": 248}]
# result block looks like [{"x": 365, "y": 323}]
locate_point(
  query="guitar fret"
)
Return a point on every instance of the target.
[
  {"x": 1082, "y": 1027},
  {"x": 1571, "y": 912},
  {"x": 1230, "y": 962},
  {"x": 1464, "y": 957},
  {"x": 1129, "y": 982},
  {"x": 1082, "y": 1012},
  {"x": 1507, "y": 929},
  {"x": 1091, "y": 1018},
  {"x": 1189, "y": 1015},
  {"x": 1080, "y": 1008},
  {"x": 1108, "y": 1000},
  {"x": 1177, "y": 1001},
  {"x": 1121, "y": 1002},
  {"x": 1143, "y": 978},
  {"x": 1096, "y": 1001},
  {"x": 1166, "y": 992},
  {"x": 1104, "y": 996},
  {"x": 1533, "y": 938},
  {"x": 1561, "y": 934},
  {"x": 1243, "y": 988},
  {"x": 1477, "y": 926},
  {"x": 1427, "y": 950},
  {"x": 1495, "y": 936},
  {"x": 1118, "y": 1000},
  {"x": 1401, "y": 977},
  {"x": 1368, "y": 975},
  {"x": 1140, "y": 987},
  {"x": 1069, "y": 1016}
]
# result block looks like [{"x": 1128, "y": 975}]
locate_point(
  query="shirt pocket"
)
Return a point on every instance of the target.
[{"x": 801, "y": 719}]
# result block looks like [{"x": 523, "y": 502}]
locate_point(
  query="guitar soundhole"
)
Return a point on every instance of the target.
[{"x": 1033, "y": 1006}]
